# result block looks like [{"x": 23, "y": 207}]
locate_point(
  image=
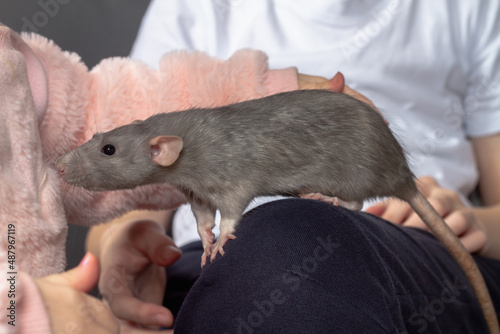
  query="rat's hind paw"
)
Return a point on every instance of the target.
[
  {"x": 322, "y": 198},
  {"x": 353, "y": 205},
  {"x": 219, "y": 244}
]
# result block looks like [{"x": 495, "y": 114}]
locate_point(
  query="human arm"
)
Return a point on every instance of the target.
[{"x": 487, "y": 151}]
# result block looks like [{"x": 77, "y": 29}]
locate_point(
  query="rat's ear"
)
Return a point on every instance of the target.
[{"x": 165, "y": 149}]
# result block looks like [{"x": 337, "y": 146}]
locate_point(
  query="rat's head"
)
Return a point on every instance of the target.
[{"x": 123, "y": 158}]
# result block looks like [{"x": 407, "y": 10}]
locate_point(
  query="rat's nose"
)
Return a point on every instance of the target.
[{"x": 60, "y": 167}]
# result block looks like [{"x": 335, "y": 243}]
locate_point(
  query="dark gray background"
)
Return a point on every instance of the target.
[{"x": 95, "y": 29}]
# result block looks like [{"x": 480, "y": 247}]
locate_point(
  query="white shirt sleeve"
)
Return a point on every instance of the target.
[{"x": 161, "y": 31}]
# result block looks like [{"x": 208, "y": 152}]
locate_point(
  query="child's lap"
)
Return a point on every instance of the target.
[{"x": 302, "y": 266}]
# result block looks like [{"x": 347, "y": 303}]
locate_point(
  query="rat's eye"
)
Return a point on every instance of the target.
[{"x": 108, "y": 149}]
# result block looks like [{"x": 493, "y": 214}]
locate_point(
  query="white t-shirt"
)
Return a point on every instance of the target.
[{"x": 431, "y": 67}]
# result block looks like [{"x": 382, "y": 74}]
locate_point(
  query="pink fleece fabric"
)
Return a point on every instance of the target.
[{"x": 52, "y": 103}]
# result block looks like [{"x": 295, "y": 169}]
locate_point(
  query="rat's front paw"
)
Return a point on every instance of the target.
[
  {"x": 204, "y": 258},
  {"x": 219, "y": 245},
  {"x": 207, "y": 239}
]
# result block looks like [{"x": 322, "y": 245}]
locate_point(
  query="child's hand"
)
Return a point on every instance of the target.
[
  {"x": 133, "y": 253},
  {"x": 460, "y": 218},
  {"x": 71, "y": 309}
]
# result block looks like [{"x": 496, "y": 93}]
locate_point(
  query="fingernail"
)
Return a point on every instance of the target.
[
  {"x": 85, "y": 259},
  {"x": 170, "y": 252},
  {"x": 161, "y": 319}
]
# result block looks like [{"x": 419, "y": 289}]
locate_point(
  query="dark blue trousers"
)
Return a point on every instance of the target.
[{"x": 303, "y": 266}]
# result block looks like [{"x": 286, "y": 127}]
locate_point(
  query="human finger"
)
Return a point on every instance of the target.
[
  {"x": 460, "y": 222},
  {"x": 351, "y": 92},
  {"x": 149, "y": 238},
  {"x": 474, "y": 241},
  {"x": 127, "y": 329},
  {"x": 83, "y": 278},
  {"x": 465, "y": 225},
  {"x": 129, "y": 308},
  {"x": 314, "y": 82},
  {"x": 378, "y": 208},
  {"x": 426, "y": 184},
  {"x": 443, "y": 206},
  {"x": 396, "y": 211}
]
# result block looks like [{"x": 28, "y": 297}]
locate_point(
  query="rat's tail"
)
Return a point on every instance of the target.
[{"x": 442, "y": 231}]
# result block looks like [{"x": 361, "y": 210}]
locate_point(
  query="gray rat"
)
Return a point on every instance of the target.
[{"x": 293, "y": 143}]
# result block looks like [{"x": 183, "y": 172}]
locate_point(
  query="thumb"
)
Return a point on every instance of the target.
[
  {"x": 426, "y": 184},
  {"x": 82, "y": 278},
  {"x": 152, "y": 241},
  {"x": 337, "y": 83}
]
